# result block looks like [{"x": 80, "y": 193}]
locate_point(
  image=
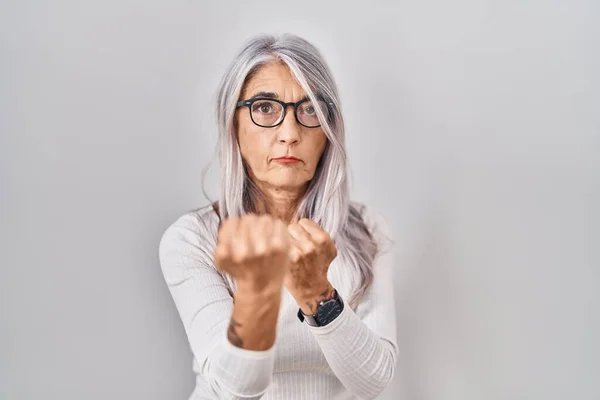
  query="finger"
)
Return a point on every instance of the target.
[
  {"x": 240, "y": 246},
  {"x": 280, "y": 238},
  {"x": 319, "y": 236},
  {"x": 307, "y": 222},
  {"x": 295, "y": 253},
  {"x": 317, "y": 233},
  {"x": 301, "y": 238},
  {"x": 225, "y": 234},
  {"x": 225, "y": 229},
  {"x": 259, "y": 234}
]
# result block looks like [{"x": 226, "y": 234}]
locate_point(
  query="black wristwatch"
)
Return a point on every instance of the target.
[{"x": 327, "y": 311}]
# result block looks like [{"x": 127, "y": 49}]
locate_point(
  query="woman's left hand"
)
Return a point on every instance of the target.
[{"x": 311, "y": 253}]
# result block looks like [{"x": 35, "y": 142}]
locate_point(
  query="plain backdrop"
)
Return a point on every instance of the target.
[{"x": 474, "y": 126}]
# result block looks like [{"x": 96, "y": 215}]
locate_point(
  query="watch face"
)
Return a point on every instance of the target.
[{"x": 328, "y": 311}]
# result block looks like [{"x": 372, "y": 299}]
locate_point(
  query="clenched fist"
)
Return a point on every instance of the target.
[
  {"x": 254, "y": 249},
  {"x": 312, "y": 251}
]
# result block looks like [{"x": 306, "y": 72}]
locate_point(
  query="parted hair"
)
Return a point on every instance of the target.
[{"x": 327, "y": 199}]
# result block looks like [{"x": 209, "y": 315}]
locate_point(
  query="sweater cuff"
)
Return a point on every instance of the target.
[
  {"x": 242, "y": 372},
  {"x": 334, "y": 325},
  {"x": 250, "y": 355}
]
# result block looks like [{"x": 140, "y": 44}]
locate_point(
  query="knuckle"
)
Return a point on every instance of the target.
[
  {"x": 265, "y": 218},
  {"x": 240, "y": 255},
  {"x": 228, "y": 222},
  {"x": 278, "y": 241},
  {"x": 260, "y": 248},
  {"x": 295, "y": 257},
  {"x": 247, "y": 218},
  {"x": 321, "y": 239},
  {"x": 221, "y": 255}
]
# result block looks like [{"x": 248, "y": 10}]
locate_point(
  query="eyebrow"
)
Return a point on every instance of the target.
[
  {"x": 273, "y": 95},
  {"x": 270, "y": 95}
]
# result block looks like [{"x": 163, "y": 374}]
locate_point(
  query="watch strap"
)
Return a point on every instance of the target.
[{"x": 327, "y": 311}]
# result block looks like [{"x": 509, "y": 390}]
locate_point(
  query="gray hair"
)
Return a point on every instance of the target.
[{"x": 327, "y": 200}]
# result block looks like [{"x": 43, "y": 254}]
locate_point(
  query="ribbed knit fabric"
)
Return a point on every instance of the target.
[{"x": 353, "y": 357}]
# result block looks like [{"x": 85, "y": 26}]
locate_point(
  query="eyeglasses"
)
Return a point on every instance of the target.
[{"x": 268, "y": 113}]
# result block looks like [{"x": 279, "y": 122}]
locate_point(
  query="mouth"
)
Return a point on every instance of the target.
[{"x": 287, "y": 160}]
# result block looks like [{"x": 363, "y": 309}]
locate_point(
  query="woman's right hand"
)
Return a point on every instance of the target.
[{"x": 254, "y": 250}]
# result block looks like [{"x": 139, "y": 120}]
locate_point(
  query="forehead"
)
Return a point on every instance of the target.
[{"x": 273, "y": 77}]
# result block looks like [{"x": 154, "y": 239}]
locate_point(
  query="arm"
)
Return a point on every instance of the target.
[
  {"x": 361, "y": 348},
  {"x": 235, "y": 355}
]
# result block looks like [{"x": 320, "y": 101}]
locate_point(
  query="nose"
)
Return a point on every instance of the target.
[{"x": 289, "y": 130}]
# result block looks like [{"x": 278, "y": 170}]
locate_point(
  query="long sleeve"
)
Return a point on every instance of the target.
[
  {"x": 205, "y": 306},
  {"x": 361, "y": 348}
]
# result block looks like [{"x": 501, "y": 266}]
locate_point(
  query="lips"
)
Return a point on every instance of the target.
[{"x": 287, "y": 160}]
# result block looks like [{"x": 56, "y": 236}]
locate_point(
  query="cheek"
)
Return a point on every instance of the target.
[
  {"x": 254, "y": 147},
  {"x": 318, "y": 146}
]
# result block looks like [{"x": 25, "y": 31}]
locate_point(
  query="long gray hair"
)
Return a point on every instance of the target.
[{"x": 327, "y": 199}]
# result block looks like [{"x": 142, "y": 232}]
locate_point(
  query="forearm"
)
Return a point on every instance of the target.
[
  {"x": 360, "y": 359},
  {"x": 253, "y": 322},
  {"x": 241, "y": 366}
]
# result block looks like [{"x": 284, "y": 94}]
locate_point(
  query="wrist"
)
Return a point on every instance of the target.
[
  {"x": 258, "y": 290},
  {"x": 256, "y": 305},
  {"x": 309, "y": 302},
  {"x": 254, "y": 317}
]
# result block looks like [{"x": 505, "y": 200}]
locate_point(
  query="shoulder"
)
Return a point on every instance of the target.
[
  {"x": 193, "y": 231},
  {"x": 371, "y": 216},
  {"x": 375, "y": 221}
]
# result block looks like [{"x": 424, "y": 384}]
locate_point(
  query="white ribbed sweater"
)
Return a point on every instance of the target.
[{"x": 352, "y": 357}]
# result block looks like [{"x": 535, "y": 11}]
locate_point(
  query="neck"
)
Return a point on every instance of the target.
[{"x": 282, "y": 202}]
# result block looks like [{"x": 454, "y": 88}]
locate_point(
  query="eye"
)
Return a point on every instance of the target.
[
  {"x": 309, "y": 110},
  {"x": 264, "y": 107}
]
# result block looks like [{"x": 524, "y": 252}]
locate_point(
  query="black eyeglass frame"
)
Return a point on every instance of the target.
[{"x": 248, "y": 103}]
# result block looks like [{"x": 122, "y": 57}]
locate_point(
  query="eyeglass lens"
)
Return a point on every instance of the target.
[{"x": 270, "y": 113}]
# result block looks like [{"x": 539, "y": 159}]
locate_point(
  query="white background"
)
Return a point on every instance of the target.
[{"x": 474, "y": 126}]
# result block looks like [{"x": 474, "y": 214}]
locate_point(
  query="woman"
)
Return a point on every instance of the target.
[{"x": 284, "y": 286}]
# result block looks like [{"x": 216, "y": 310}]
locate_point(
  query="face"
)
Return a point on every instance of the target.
[{"x": 261, "y": 147}]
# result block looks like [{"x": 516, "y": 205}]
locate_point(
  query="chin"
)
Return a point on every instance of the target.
[{"x": 287, "y": 182}]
